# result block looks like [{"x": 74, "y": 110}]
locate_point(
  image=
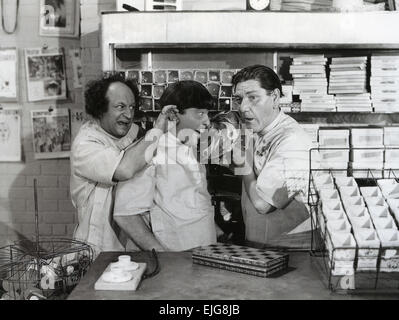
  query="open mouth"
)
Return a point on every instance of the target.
[{"x": 123, "y": 123}]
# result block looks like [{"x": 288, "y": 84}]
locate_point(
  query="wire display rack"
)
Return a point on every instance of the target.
[
  {"x": 46, "y": 268},
  {"x": 322, "y": 253}
]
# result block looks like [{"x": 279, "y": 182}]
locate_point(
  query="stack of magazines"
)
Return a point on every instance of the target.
[
  {"x": 253, "y": 261},
  {"x": 306, "y": 5},
  {"x": 310, "y": 83},
  {"x": 384, "y": 83},
  {"x": 348, "y": 81}
]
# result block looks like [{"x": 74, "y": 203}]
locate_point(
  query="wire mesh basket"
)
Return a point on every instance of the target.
[
  {"x": 333, "y": 260},
  {"x": 48, "y": 273},
  {"x": 45, "y": 268}
]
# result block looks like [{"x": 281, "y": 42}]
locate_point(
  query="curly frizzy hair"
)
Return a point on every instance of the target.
[{"x": 96, "y": 101}]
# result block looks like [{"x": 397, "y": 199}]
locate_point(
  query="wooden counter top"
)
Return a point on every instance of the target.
[{"x": 180, "y": 279}]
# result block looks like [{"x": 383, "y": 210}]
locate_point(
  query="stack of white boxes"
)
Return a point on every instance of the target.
[
  {"x": 312, "y": 131},
  {"x": 364, "y": 152},
  {"x": 391, "y": 140},
  {"x": 384, "y": 83},
  {"x": 335, "y": 158},
  {"x": 310, "y": 83}
]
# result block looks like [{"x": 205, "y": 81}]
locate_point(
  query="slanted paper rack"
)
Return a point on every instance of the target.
[{"x": 360, "y": 281}]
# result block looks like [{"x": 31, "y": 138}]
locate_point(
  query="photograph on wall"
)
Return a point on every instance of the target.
[
  {"x": 10, "y": 135},
  {"x": 51, "y": 133},
  {"x": 45, "y": 74},
  {"x": 8, "y": 74},
  {"x": 59, "y": 18},
  {"x": 75, "y": 56}
]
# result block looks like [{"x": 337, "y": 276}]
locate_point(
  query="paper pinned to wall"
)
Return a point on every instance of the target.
[
  {"x": 75, "y": 56},
  {"x": 10, "y": 135},
  {"x": 51, "y": 133},
  {"x": 8, "y": 74},
  {"x": 45, "y": 74},
  {"x": 78, "y": 117}
]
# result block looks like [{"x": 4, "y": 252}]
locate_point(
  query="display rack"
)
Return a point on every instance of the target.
[{"x": 361, "y": 282}]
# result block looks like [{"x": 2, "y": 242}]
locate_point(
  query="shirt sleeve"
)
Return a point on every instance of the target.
[
  {"x": 285, "y": 174},
  {"x": 95, "y": 161}
]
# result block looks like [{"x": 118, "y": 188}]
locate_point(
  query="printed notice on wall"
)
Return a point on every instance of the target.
[
  {"x": 74, "y": 55},
  {"x": 10, "y": 135},
  {"x": 45, "y": 74},
  {"x": 51, "y": 133},
  {"x": 8, "y": 74}
]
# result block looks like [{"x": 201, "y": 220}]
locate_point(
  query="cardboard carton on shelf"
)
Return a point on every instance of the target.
[
  {"x": 370, "y": 137},
  {"x": 368, "y": 155},
  {"x": 338, "y": 138},
  {"x": 391, "y": 136},
  {"x": 392, "y": 156}
]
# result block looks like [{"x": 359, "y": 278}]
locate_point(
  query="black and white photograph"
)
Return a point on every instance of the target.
[
  {"x": 209, "y": 157},
  {"x": 45, "y": 74},
  {"x": 59, "y": 18},
  {"x": 51, "y": 133}
]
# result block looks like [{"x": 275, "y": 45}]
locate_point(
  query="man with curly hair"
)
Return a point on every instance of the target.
[{"x": 107, "y": 149}]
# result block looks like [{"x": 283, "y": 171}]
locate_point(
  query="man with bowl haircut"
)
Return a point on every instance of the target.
[
  {"x": 182, "y": 216},
  {"x": 106, "y": 150},
  {"x": 275, "y": 181}
]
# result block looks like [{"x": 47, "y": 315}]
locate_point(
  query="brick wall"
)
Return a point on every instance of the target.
[{"x": 57, "y": 217}]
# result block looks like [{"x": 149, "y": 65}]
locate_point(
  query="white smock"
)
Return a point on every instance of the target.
[
  {"x": 174, "y": 190},
  {"x": 94, "y": 158},
  {"x": 281, "y": 167}
]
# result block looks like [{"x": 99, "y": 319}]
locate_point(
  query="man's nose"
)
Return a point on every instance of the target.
[
  {"x": 207, "y": 122},
  {"x": 244, "y": 106},
  {"x": 128, "y": 113}
]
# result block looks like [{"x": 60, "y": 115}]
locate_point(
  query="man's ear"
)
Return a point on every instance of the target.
[{"x": 276, "y": 96}]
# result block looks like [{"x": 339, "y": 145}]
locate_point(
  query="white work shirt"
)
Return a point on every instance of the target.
[
  {"x": 94, "y": 158},
  {"x": 281, "y": 166},
  {"x": 281, "y": 161},
  {"x": 183, "y": 215},
  {"x": 174, "y": 190}
]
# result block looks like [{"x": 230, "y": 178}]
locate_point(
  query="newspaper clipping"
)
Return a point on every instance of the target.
[
  {"x": 10, "y": 135},
  {"x": 45, "y": 74},
  {"x": 51, "y": 133},
  {"x": 8, "y": 75}
]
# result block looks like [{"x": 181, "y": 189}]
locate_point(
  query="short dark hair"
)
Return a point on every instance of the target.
[
  {"x": 96, "y": 101},
  {"x": 267, "y": 78},
  {"x": 187, "y": 94}
]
